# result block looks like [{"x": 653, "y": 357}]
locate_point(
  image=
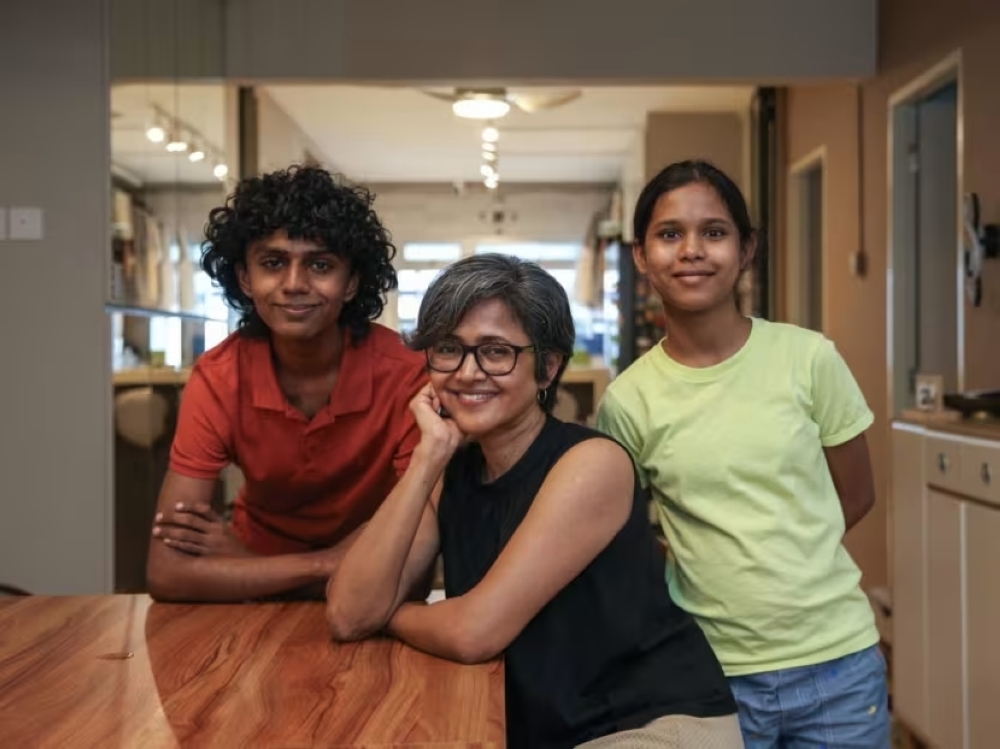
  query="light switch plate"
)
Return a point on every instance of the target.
[
  {"x": 3, "y": 224},
  {"x": 25, "y": 224}
]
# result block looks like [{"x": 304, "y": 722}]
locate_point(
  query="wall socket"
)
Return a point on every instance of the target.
[{"x": 25, "y": 224}]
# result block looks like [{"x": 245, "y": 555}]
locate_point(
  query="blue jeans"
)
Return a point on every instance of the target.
[{"x": 840, "y": 704}]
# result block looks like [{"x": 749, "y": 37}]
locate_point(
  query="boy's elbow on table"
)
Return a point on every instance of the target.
[{"x": 161, "y": 585}]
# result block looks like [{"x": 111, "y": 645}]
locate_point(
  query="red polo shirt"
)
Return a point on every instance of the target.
[{"x": 309, "y": 482}]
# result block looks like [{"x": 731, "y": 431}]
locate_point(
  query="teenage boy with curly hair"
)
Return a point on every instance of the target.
[{"x": 309, "y": 397}]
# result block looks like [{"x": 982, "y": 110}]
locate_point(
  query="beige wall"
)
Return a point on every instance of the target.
[
  {"x": 55, "y": 384},
  {"x": 544, "y": 213},
  {"x": 674, "y": 137},
  {"x": 632, "y": 180},
  {"x": 915, "y": 35},
  {"x": 280, "y": 140}
]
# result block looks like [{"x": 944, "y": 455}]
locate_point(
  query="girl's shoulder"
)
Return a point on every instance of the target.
[{"x": 788, "y": 335}]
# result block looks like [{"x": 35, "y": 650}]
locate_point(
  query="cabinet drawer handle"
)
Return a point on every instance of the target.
[
  {"x": 942, "y": 463},
  {"x": 986, "y": 474}
]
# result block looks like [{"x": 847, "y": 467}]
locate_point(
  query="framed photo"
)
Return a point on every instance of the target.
[{"x": 929, "y": 392}]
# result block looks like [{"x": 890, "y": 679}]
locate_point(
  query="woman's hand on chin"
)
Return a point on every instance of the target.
[{"x": 439, "y": 435}]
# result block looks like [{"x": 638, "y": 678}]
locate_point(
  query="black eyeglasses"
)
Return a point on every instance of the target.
[{"x": 495, "y": 359}]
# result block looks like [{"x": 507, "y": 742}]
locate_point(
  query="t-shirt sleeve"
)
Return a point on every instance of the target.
[
  {"x": 408, "y": 431},
  {"x": 838, "y": 405},
  {"x": 615, "y": 421},
  {"x": 201, "y": 443}
]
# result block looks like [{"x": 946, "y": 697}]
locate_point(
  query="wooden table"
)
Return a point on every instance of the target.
[{"x": 120, "y": 671}]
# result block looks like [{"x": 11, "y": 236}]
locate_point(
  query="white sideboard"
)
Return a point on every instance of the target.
[{"x": 946, "y": 581}]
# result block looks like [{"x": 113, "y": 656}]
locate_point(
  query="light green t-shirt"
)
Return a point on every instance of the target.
[{"x": 734, "y": 456}]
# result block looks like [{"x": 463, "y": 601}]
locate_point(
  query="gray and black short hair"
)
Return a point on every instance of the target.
[{"x": 536, "y": 299}]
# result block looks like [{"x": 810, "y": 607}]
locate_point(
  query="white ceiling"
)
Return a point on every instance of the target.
[
  {"x": 391, "y": 134},
  {"x": 378, "y": 134},
  {"x": 201, "y": 107}
]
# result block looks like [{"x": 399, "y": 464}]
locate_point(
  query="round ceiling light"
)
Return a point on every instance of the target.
[{"x": 480, "y": 107}]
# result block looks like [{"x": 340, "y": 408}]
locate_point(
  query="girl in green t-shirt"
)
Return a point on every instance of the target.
[{"x": 750, "y": 436}]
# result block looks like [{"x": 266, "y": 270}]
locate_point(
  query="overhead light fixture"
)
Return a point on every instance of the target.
[
  {"x": 480, "y": 107},
  {"x": 490, "y": 155},
  {"x": 492, "y": 182},
  {"x": 156, "y": 134},
  {"x": 490, "y": 134},
  {"x": 176, "y": 145},
  {"x": 220, "y": 171},
  {"x": 486, "y": 170},
  {"x": 487, "y": 146},
  {"x": 196, "y": 155}
]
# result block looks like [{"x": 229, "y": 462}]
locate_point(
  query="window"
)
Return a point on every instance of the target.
[
  {"x": 433, "y": 252},
  {"x": 539, "y": 252},
  {"x": 418, "y": 266}
]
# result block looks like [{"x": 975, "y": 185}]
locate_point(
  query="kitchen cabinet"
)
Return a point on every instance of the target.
[
  {"x": 983, "y": 628},
  {"x": 909, "y": 662},
  {"x": 944, "y": 620},
  {"x": 945, "y": 513}
]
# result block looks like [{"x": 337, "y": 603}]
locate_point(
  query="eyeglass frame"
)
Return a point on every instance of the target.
[{"x": 474, "y": 350}]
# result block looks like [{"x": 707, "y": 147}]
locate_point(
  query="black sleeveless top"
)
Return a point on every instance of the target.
[{"x": 611, "y": 652}]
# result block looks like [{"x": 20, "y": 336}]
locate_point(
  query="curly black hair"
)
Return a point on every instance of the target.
[{"x": 307, "y": 203}]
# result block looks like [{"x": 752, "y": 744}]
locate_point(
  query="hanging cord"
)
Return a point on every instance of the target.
[{"x": 861, "y": 257}]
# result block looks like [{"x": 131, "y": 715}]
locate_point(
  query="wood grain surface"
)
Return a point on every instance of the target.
[{"x": 120, "y": 671}]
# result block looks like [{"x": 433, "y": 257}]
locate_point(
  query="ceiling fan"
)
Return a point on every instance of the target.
[{"x": 493, "y": 103}]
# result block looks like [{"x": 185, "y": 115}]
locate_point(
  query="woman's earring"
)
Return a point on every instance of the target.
[{"x": 542, "y": 396}]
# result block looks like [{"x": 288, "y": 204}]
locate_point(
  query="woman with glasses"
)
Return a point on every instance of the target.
[{"x": 548, "y": 555}]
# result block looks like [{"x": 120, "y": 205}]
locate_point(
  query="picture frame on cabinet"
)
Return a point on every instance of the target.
[{"x": 929, "y": 393}]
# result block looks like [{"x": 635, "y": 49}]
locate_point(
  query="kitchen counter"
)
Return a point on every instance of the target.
[
  {"x": 150, "y": 376},
  {"x": 953, "y": 423},
  {"x": 121, "y": 671}
]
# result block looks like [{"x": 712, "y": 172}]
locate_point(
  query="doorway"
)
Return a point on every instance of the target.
[
  {"x": 925, "y": 320},
  {"x": 807, "y": 195}
]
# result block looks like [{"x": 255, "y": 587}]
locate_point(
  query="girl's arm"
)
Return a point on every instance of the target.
[
  {"x": 851, "y": 468},
  {"x": 842, "y": 415},
  {"x": 583, "y": 504}
]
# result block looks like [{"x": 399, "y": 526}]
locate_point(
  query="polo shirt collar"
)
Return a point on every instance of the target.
[{"x": 352, "y": 394}]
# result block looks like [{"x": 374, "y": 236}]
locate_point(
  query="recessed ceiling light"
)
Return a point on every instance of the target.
[
  {"x": 220, "y": 171},
  {"x": 156, "y": 134},
  {"x": 490, "y": 134},
  {"x": 196, "y": 155}
]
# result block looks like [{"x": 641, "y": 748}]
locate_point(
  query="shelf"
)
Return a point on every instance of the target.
[{"x": 139, "y": 311}]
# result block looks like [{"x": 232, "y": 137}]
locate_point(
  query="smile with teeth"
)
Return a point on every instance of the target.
[{"x": 474, "y": 398}]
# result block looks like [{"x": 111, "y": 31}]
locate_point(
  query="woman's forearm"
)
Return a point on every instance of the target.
[
  {"x": 439, "y": 629},
  {"x": 366, "y": 589}
]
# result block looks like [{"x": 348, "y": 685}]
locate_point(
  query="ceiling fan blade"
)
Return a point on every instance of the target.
[
  {"x": 450, "y": 98},
  {"x": 537, "y": 102}
]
